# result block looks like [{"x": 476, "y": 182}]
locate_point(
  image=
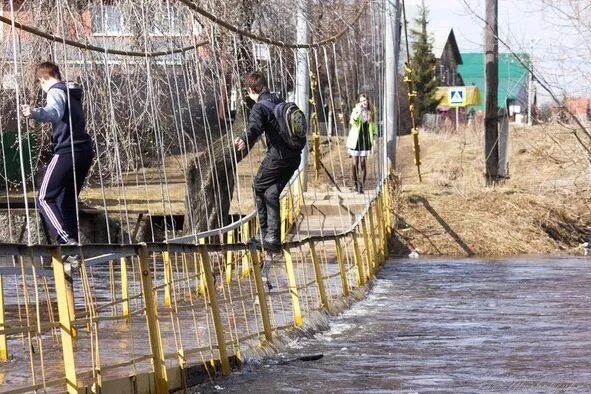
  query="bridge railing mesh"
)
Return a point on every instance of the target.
[{"x": 164, "y": 315}]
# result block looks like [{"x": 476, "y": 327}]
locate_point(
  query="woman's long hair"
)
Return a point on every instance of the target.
[{"x": 369, "y": 106}]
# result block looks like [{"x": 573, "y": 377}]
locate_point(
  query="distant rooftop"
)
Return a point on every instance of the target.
[
  {"x": 513, "y": 76},
  {"x": 442, "y": 38}
]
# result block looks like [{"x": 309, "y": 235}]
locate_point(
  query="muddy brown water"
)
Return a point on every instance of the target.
[{"x": 438, "y": 325}]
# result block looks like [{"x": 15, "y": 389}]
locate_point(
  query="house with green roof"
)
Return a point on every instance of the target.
[{"x": 513, "y": 78}]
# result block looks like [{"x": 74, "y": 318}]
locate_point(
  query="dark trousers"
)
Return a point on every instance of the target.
[
  {"x": 58, "y": 193},
  {"x": 270, "y": 180}
]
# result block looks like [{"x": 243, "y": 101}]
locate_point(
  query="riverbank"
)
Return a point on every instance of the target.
[{"x": 543, "y": 208}]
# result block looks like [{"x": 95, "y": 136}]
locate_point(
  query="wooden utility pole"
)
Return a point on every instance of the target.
[
  {"x": 491, "y": 131},
  {"x": 392, "y": 14},
  {"x": 302, "y": 90}
]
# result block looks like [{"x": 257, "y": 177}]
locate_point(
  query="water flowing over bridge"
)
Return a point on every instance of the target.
[
  {"x": 170, "y": 291},
  {"x": 172, "y": 294}
]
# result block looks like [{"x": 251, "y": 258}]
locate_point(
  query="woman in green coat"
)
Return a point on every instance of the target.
[{"x": 360, "y": 139}]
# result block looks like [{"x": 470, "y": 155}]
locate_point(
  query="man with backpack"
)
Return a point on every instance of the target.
[{"x": 285, "y": 130}]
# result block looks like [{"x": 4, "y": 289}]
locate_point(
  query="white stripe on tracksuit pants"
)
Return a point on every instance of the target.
[{"x": 57, "y": 194}]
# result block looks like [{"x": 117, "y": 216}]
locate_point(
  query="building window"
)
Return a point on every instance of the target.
[
  {"x": 174, "y": 21},
  {"x": 261, "y": 52},
  {"x": 107, "y": 20},
  {"x": 9, "y": 82}
]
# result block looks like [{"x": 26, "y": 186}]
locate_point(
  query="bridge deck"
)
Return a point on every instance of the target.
[{"x": 119, "y": 345}]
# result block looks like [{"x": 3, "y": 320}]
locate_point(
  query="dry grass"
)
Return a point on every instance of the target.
[{"x": 544, "y": 208}]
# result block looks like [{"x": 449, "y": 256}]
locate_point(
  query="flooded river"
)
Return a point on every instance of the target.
[{"x": 520, "y": 325}]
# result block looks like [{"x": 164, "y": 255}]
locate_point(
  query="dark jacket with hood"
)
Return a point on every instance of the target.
[
  {"x": 262, "y": 120},
  {"x": 62, "y": 113}
]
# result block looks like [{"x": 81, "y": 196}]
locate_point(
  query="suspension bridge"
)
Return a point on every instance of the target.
[{"x": 170, "y": 291}]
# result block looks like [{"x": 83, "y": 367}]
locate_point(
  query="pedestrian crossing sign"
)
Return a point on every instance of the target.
[{"x": 457, "y": 96}]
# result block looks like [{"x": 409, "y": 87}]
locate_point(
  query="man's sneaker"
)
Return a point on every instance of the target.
[
  {"x": 256, "y": 240},
  {"x": 72, "y": 260},
  {"x": 272, "y": 245}
]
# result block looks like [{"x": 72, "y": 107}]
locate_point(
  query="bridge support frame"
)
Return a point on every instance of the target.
[
  {"x": 215, "y": 312},
  {"x": 358, "y": 259},
  {"x": 66, "y": 315},
  {"x": 261, "y": 293},
  {"x": 318, "y": 274},
  {"x": 3, "y": 343},
  {"x": 293, "y": 288},
  {"x": 342, "y": 268}
]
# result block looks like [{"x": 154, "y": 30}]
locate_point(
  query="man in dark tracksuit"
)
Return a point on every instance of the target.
[
  {"x": 72, "y": 153},
  {"x": 277, "y": 167}
]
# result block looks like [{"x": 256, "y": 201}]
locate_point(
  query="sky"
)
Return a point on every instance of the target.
[{"x": 560, "y": 46}]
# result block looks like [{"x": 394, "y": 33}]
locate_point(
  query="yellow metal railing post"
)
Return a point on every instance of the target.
[
  {"x": 160, "y": 377},
  {"x": 316, "y": 144},
  {"x": 369, "y": 253},
  {"x": 70, "y": 296},
  {"x": 63, "y": 294},
  {"x": 215, "y": 312},
  {"x": 342, "y": 268},
  {"x": 289, "y": 210},
  {"x": 202, "y": 281},
  {"x": 124, "y": 288},
  {"x": 196, "y": 274},
  {"x": 358, "y": 259},
  {"x": 283, "y": 216},
  {"x": 262, "y": 297},
  {"x": 167, "y": 277},
  {"x": 318, "y": 274},
  {"x": 229, "y": 256},
  {"x": 293, "y": 288},
  {"x": 3, "y": 344},
  {"x": 387, "y": 208},
  {"x": 382, "y": 229},
  {"x": 245, "y": 235},
  {"x": 377, "y": 254}
]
